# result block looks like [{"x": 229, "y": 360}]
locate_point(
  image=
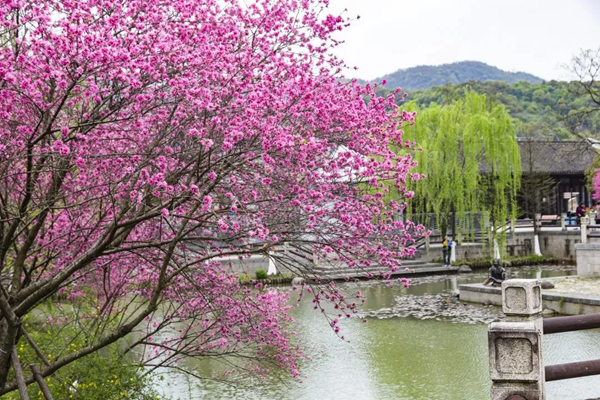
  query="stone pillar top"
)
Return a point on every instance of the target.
[
  {"x": 514, "y": 352},
  {"x": 521, "y": 297}
]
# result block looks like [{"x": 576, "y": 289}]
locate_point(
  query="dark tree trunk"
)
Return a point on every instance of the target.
[{"x": 8, "y": 334}]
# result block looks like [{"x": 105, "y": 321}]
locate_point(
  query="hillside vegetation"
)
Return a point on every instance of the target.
[
  {"x": 426, "y": 76},
  {"x": 552, "y": 109}
]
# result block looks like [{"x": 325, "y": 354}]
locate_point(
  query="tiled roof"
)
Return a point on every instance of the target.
[{"x": 564, "y": 157}]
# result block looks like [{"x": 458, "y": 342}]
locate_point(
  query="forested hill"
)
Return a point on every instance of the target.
[
  {"x": 556, "y": 109},
  {"x": 426, "y": 76}
]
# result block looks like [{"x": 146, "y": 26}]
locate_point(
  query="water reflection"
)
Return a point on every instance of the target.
[{"x": 400, "y": 358}]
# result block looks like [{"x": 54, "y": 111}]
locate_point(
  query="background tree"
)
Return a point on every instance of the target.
[
  {"x": 141, "y": 142},
  {"x": 586, "y": 68},
  {"x": 590, "y": 173},
  {"x": 471, "y": 163}
]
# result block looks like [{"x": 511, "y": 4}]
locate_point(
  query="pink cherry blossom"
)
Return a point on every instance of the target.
[{"x": 144, "y": 142}]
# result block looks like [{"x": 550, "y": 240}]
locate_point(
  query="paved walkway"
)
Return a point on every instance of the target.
[{"x": 577, "y": 285}]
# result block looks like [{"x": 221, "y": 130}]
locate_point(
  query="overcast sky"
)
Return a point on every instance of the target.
[{"x": 535, "y": 36}]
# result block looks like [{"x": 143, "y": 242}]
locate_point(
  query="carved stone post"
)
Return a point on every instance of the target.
[
  {"x": 515, "y": 345},
  {"x": 537, "y": 220},
  {"x": 563, "y": 221},
  {"x": 585, "y": 221}
]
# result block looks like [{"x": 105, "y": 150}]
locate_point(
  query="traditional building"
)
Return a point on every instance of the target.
[{"x": 554, "y": 175}]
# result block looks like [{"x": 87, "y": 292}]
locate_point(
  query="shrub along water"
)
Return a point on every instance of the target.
[
  {"x": 511, "y": 261},
  {"x": 261, "y": 274}
]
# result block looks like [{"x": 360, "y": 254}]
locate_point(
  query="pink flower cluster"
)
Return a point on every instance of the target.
[{"x": 142, "y": 141}]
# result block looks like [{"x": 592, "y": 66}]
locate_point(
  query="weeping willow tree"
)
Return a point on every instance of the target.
[{"x": 471, "y": 164}]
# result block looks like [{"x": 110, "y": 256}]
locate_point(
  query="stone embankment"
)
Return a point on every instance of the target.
[
  {"x": 409, "y": 268},
  {"x": 570, "y": 295}
]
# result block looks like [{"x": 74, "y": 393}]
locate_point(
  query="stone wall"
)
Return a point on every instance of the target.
[
  {"x": 481, "y": 294},
  {"x": 464, "y": 251},
  {"x": 559, "y": 244},
  {"x": 520, "y": 245},
  {"x": 250, "y": 265},
  {"x": 588, "y": 259}
]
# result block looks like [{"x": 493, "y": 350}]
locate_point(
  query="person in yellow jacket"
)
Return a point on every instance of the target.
[{"x": 446, "y": 250}]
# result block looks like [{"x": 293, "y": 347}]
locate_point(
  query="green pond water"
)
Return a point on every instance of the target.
[{"x": 396, "y": 358}]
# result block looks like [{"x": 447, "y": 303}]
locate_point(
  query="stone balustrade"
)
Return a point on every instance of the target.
[{"x": 515, "y": 345}]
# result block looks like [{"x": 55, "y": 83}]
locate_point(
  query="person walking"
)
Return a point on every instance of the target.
[{"x": 446, "y": 250}]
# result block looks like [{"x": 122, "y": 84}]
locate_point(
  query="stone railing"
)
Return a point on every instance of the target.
[{"x": 516, "y": 345}]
